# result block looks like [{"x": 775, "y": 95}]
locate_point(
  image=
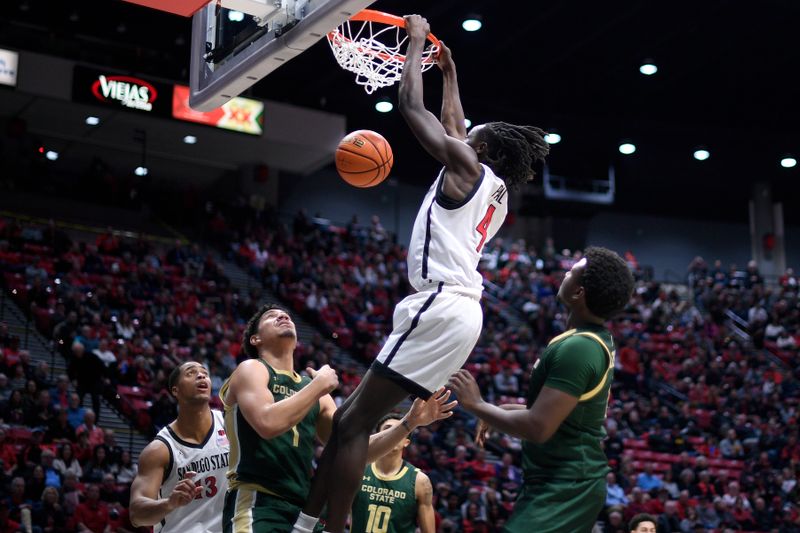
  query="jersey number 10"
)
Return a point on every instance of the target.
[{"x": 378, "y": 521}]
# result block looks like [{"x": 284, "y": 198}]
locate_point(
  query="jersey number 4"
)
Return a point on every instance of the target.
[
  {"x": 378, "y": 521},
  {"x": 483, "y": 226},
  {"x": 210, "y": 489}
]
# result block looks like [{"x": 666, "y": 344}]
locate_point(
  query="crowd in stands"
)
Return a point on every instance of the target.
[
  {"x": 703, "y": 418},
  {"x": 59, "y": 471}
]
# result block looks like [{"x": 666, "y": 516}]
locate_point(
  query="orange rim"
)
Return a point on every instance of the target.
[{"x": 371, "y": 15}]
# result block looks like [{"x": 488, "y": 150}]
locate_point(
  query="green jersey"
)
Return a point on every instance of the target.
[
  {"x": 579, "y": 362},
  {"x": 280, "y": 466},
  {"x": 386, "y": 504}
]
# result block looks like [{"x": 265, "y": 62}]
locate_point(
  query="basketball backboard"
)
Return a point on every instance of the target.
[{"x": 235, "y": 43}]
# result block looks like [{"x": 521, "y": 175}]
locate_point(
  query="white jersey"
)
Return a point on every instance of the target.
[
  {"x": 448, "y": 236},
  {"x": 210, "y": 462}
]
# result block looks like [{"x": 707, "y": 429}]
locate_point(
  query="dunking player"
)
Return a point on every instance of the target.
[
  {"x": 181, "y": 482},
  {"x": 395, "y": 497},
  {"x": 563, "y": 422},
  {"x": 436, "y": 328},
  {"x": 273, "y": 416}
]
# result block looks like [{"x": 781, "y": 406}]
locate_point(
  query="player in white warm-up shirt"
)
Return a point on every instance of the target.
[
  {"x": 181, "y": 484},
  {"x": 436, "y": 328}
]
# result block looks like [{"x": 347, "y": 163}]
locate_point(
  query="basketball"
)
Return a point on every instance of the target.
[{"x": 364, "y": 158}]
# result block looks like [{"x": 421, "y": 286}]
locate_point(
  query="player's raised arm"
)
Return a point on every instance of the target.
[
  {"x": 461, "y": 160},
  {"x": 536, "y": 424},
  {"x": 146, "y": 508},
  {"x": 452, "y": 116},
  {"x": 269, "y": 418},
  {"x": 422, "y": 413}
]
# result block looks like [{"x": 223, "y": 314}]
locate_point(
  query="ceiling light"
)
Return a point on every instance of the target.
[
  {"x": 140, "y": 171},
  {"x": 627, "y": 148},
  {"x": 92, "y": 121},
  {"x": 471, "y": 24},
  {"x": 51, "y": 155},
  {"x": 467, "y": 123},
  {"x": 788, "y": 162},
  {"x": 384, "y": 106},
  {"x": 552, "y": 138},
  {"x": 702, "y": 154},
  {"x": 190, "y": 139},
  {"x": 648, "y": 69},
  {"x": 235, "y": 16}
]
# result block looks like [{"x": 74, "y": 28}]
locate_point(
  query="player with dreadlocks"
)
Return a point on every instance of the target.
[{"x": 436, "y": 328}]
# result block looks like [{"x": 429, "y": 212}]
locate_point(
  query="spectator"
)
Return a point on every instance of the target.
[
  {"x": 31, "y": 454},
  {"x": 96, "y": 435},
  {"x": 114, "y": 450},
  {"x": 473, "y": 498},
  {"x": 35, "y": 484},
  {"x": 66, "y": 461},
  {"x": 646, "y": 480},
  {"x": 91, "y": 516},
  {"x": 71, "y": 495},
  {"x": 48, "y": 514},
  {"x": 7, "y": 525},
  {"x": 99, "y": 466},
  {"x": 75, "y": 411},
  {"x": 733, "y": 495},
  {"x": 5, "y": 388},
  {"x": 52, "y": 477},
  {"x": 691, "y": 522},
  {"x": 8, "y": 453},
  {"x": 108, "y": 491},
  {"x": 17, "y": 501},
  {"x": 614, "y": 493},
  {"x": 731, "y": 447},
  {"x": 506, "y": 383},
  {"x": 669, "y": 522},
  {"x": 60, "y": 393},
  {"x": 14, "y": 409},
  {"x": 615, "y": 523},
  {"x": 59, "y": 428},
  {"x": 42, "y": 413},
  {"x": 637, "y": 505},
  {"x": 88, "y": 373},
  {"x": 127, "y": 468}
]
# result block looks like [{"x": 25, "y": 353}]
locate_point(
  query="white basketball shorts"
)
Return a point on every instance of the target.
[{"x": 434, "y": 332}]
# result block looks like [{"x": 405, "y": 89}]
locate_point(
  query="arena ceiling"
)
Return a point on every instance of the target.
[{"x": 726, "y": 81}]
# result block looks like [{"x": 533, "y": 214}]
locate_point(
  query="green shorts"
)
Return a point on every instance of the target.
[
  {"x": 250, "y": 511},
  {"x": 558, "y": 506}
]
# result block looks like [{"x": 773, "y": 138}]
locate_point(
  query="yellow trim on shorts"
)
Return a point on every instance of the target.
[
  {"x": 243, "y": 512},
  {"x": 610, "y": 355}
]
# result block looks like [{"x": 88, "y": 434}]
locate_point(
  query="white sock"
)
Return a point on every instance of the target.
[{"x": 305, "y": 523}]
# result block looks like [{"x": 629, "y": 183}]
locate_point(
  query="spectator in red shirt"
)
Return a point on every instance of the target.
[
  {"x": 8, "y": 454},
  {"x": 481, "y": 470},
  {"x": 96, "y": 435},
  {"x": 91, "y": 516}
]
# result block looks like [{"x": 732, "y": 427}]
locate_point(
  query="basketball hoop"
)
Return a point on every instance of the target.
[{"x": 369, "y": 45}]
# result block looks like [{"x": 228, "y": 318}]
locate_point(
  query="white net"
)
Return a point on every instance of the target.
[{"x": 372, "y": 51}]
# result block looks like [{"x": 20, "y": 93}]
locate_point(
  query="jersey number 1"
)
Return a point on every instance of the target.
[{"x": 483, "y": 226}]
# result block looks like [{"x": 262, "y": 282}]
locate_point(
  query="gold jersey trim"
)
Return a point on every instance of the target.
[{"x": 393, "y": 477}]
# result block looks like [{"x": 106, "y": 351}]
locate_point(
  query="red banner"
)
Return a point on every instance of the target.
[{"x": 239, "y": 114}]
